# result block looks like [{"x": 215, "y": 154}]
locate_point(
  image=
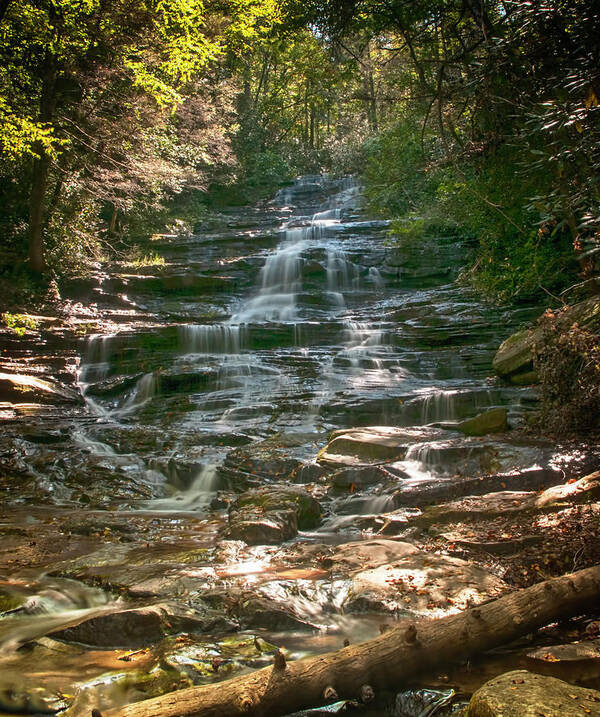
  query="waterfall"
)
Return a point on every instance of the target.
[
  {"x": 282, "y": 274},
  {"x": 145, "y": 389},
  {"x": 439, "y": 406},
  {"x": 198, "y": 495},
  {"x": 211, "y": 339},
  {"x": 362, "y": 340},
  {"x": 376, "y": 278}
]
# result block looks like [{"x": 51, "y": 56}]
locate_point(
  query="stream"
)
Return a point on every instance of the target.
[{"x": 226, "y": 371}]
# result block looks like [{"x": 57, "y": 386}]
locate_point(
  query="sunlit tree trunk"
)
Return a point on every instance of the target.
[{"x": 41, "y": 167}]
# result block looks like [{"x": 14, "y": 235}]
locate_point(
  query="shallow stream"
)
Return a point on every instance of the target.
[{"x": 234, "y": 362}]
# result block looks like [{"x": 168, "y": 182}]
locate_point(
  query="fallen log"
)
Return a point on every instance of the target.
[{"x": 385, "y": 662}]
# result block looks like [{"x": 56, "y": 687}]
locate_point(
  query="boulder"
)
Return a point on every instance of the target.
[
  {"x": 375, "y": 444},
  {"x": 138, "y": 626},
  {"x": 423, "y": 583},
  {"x": 523, "y": 694},
  {"x": 492, "y": 421},
  {"x": 514, "y": 359},
  {"x": 272, "y": 515},
  {"x": 268, "y": 460},
  {"x": 360, "y": 477},
  {"x": 21, "y": 388}
]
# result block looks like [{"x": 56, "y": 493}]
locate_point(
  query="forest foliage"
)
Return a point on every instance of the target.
[{"x": 470, "y": 115}]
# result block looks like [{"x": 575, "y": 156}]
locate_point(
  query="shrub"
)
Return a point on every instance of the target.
[
  {"x": 568, "y": 367},
  {"x": 19, "y": 323}
]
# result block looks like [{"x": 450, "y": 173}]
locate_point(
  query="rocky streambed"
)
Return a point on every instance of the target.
[{"x": 287, "y": 436}]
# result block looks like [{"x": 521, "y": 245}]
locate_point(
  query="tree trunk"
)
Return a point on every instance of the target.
[
  {"x": 388, "y": 661},
  {"x": 41, "y": 166},
  {"x": 37, "y": 261}
]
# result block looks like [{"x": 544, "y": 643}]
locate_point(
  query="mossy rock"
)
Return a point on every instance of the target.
[
  {"x": 277, "y": 498},
  {"x": 515, "y": 355},
  {"x": 514, "y": 359},
  {"x": 10, "y": 601},
  {"x": 523, "y": 694},
  {"x": 492, "y": 421}
]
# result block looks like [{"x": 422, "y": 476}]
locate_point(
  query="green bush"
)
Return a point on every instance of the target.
[
  {"x": 19, "y": 323},
  {"x": 568, "y": 367},
  {"x": 397, "y": 179}
]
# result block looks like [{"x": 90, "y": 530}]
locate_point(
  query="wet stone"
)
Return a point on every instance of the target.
[
  {"x": 422, "y": 583},
  {"x": 17, "y": 697},
  {"x": 362, "y": 446},
  {"x": 272, "y": 515},
  {"x": 258, "y": 461},
  {"x": 345, "y": 478},
  {"x": 523, "y": 694},
  {"x": 137, "y": 627},
  {"x": 436, "y": 490},
  {"x": 256, "y": 611},
  {"x": 125, "y": 687},
  {"x": 205, "y": 661}
]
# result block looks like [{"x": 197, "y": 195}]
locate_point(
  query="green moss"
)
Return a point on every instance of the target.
[{"x": 9, "y": 601}]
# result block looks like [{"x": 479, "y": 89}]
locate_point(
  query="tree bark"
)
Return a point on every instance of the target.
[
  {"x": 388, "y": 661},
  {"x": 41, "y": 167}
]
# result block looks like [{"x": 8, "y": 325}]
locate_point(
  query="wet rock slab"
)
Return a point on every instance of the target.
[
  {"x": 524, "y": 694},
  {"x": 140, "y": 626},
  {"x": 272, "y": 515},
  {"x": 269, "y": 460},
  {"x": 424, "y": 584},
  {"x": 504, "y": 502},
  {"x": 362, "y": 446},
  {"x": 22, "y": 388},
  {"x": 577, "y": 662},
  {"x": 396, "y": 577}
]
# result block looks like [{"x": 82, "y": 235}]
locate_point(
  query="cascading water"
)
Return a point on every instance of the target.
[
  {"x": 211, "y": 339},
  {"x": 281, "y": 280},
  {"x": 196, "y": 496},
  {"x": 255, "y": 344}
]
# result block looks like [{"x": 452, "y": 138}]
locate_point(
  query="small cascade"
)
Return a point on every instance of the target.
[
  {"x": 196, "y": 496},
  {"x": 145, "y": 389},
  {"x": 454, "y": 404},
  {"x": 282, "y": 275},
  {"x": 327, "y": 215},
  {"x": 376, "y": 278},
  {"x": 342, "y": 274},
  {"x": 211, "y": 339},
  {"x": 281, "y": 280},
  {"x": 362, "y": 341},
  {"x": 93, "y": 446},
  {"x": 96, "y": 365},
  {"x": 439, "y": 406},
  {"x": 284, "y": 197},
  {"x": 48, "y": 605}
]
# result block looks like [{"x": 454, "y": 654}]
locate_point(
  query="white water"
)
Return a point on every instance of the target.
[
  {"x": 197, "y": 495},
  {"x": 211, "y": 339},
  {"x": 281, "y": 280},
  {"x": 145, "y": 389}
]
